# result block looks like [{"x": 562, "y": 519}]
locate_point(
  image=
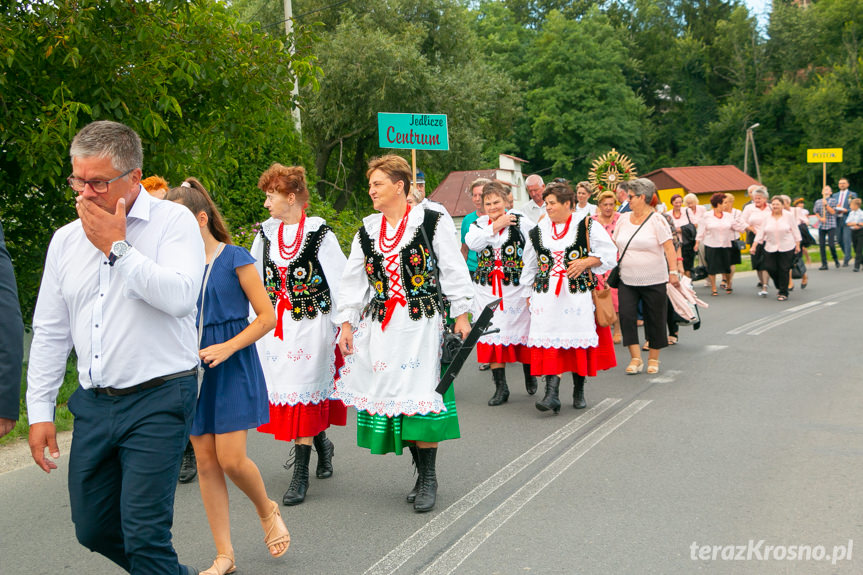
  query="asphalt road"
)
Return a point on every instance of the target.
[{"x": 744, "y": 452}]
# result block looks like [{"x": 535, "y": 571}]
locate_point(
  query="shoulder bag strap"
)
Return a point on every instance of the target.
[{"x": 633, "y": 236}]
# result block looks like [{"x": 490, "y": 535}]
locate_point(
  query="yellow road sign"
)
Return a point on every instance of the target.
[{"x": 822, "y": 155}]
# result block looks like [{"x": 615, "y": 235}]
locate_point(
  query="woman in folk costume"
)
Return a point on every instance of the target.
[
  {"x": 393, "y": 325},
  {"x": 499, "y": 237},
  {"x": 560, "y": 262},
  {"x": 301, "y": 264}
]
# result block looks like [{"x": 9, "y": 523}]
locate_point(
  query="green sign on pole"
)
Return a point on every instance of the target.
[{"x": 413, "y": 131}]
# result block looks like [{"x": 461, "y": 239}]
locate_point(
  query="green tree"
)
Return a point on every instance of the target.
[
  {"x": 206, "y": 93},
  {"x": 578, "y": 101}
]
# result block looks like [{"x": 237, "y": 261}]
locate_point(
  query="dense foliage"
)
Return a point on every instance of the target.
[{"x": 208, "y": 85}]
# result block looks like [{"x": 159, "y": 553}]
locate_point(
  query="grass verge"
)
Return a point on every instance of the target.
[{"x": 62, "y": 416}]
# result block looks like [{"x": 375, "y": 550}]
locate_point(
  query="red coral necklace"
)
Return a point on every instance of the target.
[
  {"x": 288, "y": 252},
  {"x": 561, "y": 235},
  {"x": 386, "y": 244}
]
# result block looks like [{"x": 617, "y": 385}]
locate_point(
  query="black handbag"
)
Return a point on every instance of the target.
[
  {"x": 806, "y": 238},
  {"x": 738, "y": 245},
  {"x": 613, "y": 279},
  {"x": 798, "y": 268},
  {"x": 688, "y": 232},
  {"x": 756, "y": 256},
  {"x": 699, "y": 273}
]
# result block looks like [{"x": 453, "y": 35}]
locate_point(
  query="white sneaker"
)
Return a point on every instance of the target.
[{"x": 762, "y": 293}]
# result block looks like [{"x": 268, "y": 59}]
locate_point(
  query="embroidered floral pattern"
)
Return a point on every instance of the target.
[
  {"x": 390, "y": 407},
  {"x": 414, "y": 263},
  {"x": 302, "y": 282},
  {"x": 507, "y": 259},
  {"x": 552, "y": 265}
]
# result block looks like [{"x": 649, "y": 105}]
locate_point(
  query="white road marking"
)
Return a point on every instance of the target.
[
  {"x": 450, "y": 560},
  {"x": 668, "y": 376},
  {"x": 712, "y": 348},
  {"x": 422, "y": 536},
  {"x": 761, "y": 325}
]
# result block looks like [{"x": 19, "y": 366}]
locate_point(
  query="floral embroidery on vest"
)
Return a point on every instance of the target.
[
  {"x": 417, "y": 269},
  {"x": 302, "y": 284},
  {"x": 551, "y": 266},
  {"x": 508, "y": 260}
]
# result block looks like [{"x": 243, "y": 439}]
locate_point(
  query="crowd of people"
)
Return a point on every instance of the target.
[{"x": 283, "y": 338}]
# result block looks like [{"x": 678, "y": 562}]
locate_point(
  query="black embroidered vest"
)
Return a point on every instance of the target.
[
  {"x": 545, "y": 260},
  {"x": 510, "y": 254},
  {"x": 417, "y": 271},
  {"x": 306, "y": 285}
]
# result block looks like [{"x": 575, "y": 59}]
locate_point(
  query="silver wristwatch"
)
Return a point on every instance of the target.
[{"x": 118, "y": 250}]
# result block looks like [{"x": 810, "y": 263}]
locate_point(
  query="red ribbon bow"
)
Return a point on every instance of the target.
[
  {"x": 496, "y": 277},
  {"x": 283, "y": 305}
]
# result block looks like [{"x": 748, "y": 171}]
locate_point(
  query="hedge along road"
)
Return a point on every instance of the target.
[{"x": 751, "y": 431}]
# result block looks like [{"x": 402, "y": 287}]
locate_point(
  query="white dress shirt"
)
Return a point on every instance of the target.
[
  {"x": 532, "y": 211},
  {"x": 130, "y": 322}
]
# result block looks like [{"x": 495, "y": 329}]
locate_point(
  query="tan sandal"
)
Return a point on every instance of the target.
[
  {"x": 635, "y": 366},
  {"x": 275, "y": 531},
  {"x": 652, "y": 366},
  {"x": 215, "y": 569}
]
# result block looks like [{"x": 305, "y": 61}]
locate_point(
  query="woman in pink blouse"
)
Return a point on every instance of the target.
[
  {"x": 607, "y": 217},
  {"x": 801, "y": 214},
  {"x": 716, "y": 230},
  {"x": 754, "y": 215},
  {"x": 648, "y": 264},
  {"x": 781, "y": 239}
]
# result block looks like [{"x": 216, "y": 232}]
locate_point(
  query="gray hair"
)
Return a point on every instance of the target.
[
  {"x": 105, "y": 139},
  {"x": 690, "y": 197},
  {"x": 639, "y": 187},
  {"x": 757, "y": 190},
  {"x": 535, "y": 178},
  {"x": 479, "y": 182}
]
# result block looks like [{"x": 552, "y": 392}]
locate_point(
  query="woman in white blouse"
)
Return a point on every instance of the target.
[
  {"x": 781, "y": 239},
  {"x": 716, "y": 230},
  {"x": 583, "y": 208},
  {"x": 648, "y": 264}
]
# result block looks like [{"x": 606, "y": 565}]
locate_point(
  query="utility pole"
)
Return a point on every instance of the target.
[
  {"x": 295, "y": 91},
  {"x": 750, "y": 138}
]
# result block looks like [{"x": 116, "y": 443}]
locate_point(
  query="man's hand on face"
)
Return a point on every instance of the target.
[{"x": 102, "y": 228}]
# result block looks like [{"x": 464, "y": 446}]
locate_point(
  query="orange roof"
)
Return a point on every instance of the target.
[
  {"x": 701, "y": 179},
  {"x": 454, "y": 191}
]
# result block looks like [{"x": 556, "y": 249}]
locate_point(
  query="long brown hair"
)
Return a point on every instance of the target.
[{"x": 192, "y": 194}]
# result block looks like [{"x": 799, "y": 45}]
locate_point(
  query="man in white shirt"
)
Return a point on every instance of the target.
[
  {"x": 534, "y": 208},
  {"x": 120, "y": 285}
]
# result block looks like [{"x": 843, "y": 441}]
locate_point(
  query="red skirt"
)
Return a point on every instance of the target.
[
  {"x": 583, "y": 361},
  {"x": 288, "y": 422},
  {"x": 488, "y": 353}
]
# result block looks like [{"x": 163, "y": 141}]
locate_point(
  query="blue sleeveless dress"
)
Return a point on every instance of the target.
[{"x": 234, "y": 393}]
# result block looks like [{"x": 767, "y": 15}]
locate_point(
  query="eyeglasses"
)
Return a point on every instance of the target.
[{"x": 98, "y": 186}]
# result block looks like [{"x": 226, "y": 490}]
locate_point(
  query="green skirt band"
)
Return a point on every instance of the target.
[{"x": 382, "y": 434}]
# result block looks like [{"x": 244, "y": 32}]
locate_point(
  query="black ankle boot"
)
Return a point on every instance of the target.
[
  {"x": 325, "y": 449},
  {"x": 530, "y": 383},
  {"x": 501, "y": 391},
  {"x": 296, "y": 493},
  {"x": 427, "y": 492},
  {"x": 411, "y": 497},
  {"x": 551, "y": 400},
  {"x": 188, "y": 466},
  {"x": 578, "y": 391}
]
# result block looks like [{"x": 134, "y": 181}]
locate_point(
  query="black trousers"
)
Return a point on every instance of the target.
[
  {"x": 778, "y": 265},
  {"x": 857, "y": 240},
  {"x": 654, "y": 309},
  {"x": 827, "y": 236},
  {"x": 123, "y": 468}
]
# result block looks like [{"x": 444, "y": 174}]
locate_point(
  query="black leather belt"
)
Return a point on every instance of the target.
[{"x": 155, "y": 382}]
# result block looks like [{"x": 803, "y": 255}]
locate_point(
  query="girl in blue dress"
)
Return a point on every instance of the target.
[{"x": 233, "y": 395}]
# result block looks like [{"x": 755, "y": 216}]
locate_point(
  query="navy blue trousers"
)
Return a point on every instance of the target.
[{"x": 123, "y": 468}]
